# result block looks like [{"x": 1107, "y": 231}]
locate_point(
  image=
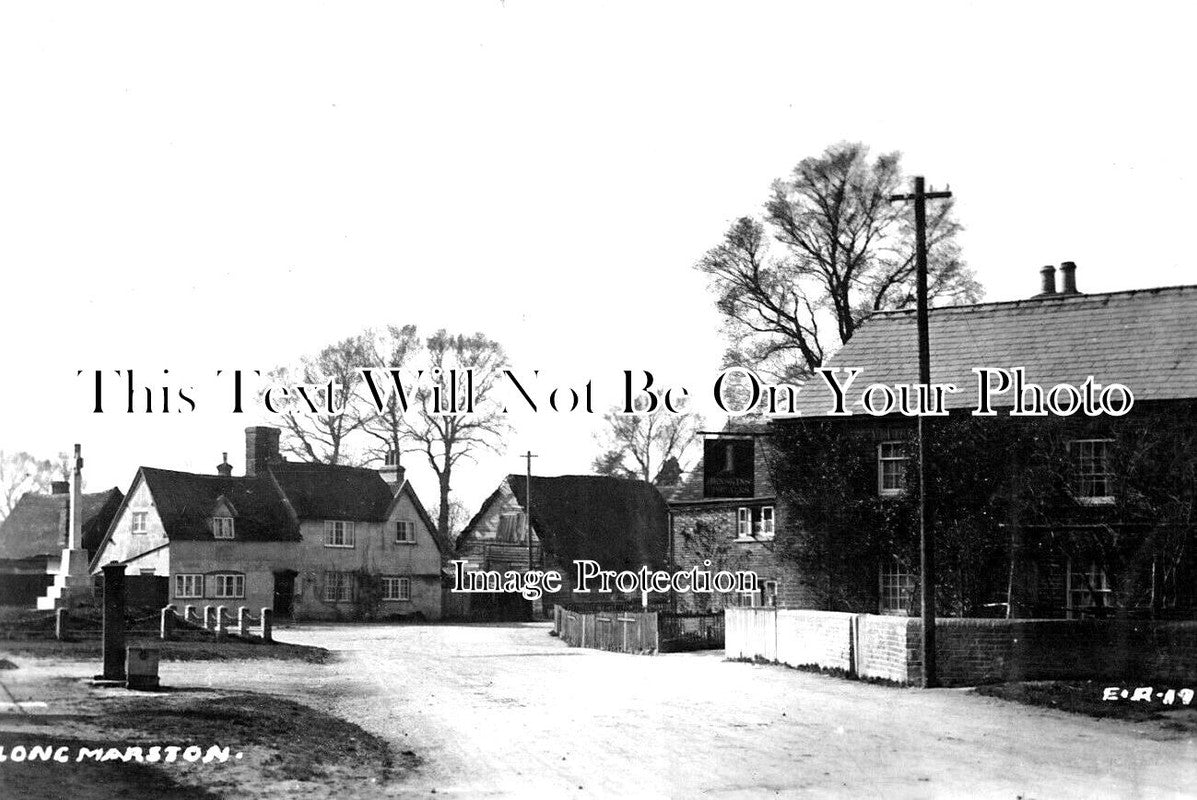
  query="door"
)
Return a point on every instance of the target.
[{"x": 284, "y": 593}]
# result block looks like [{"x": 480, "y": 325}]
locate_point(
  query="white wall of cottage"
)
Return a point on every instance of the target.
[{"x": 375, "y": 550}]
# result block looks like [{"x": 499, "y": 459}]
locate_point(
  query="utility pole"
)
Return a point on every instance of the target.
[
  {"x": 528, "y": 456},
  {"x": 926, "y": 536}
]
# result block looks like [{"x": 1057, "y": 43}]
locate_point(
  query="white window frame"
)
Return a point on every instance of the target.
[
  {"x": 339, "y": 533},
  {"x": 883, "y": 460},
  {"x": 405, "y": 531},
  {"x": 223, "y": 528},
  {"x": 228, "y": 585},
  {"x": 1082, "y": 478},
  {"x": 744, "y": 523},
  {"x": 338, "y": 587},
  {"x": 768, "y": 523},
  {"x": 183, "y": 580},
  {"x": 139, "y": 522},
  {"x": 755, "y": 523},
  {"x": 1097, "y": 582},
  {"x": 895, "y": 588},
  {"x": 769, "y": 592},
  {"x": 396, "y": 588}
]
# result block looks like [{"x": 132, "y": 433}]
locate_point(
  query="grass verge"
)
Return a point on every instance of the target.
[{"x": 207, "y": 649}]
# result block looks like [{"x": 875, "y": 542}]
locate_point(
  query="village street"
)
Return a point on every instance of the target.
[{"x": 507, "y": 710}]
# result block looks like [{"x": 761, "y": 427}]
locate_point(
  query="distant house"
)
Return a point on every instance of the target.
[
  {"x": 622, "y": 524},
  {"x": 35, "y": 532},
  {"x": 308, "y": 540}
]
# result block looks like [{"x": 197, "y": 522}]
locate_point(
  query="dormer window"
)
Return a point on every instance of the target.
[{"x": 222, "y": 528}]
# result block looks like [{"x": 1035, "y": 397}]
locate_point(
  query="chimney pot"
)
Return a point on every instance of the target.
[
  {"x": 392, "y": 471},
  {"x": 224, "y": 468},
  {"x": 1049, "y": 280},
  {"x": 1068, "y": 270}
]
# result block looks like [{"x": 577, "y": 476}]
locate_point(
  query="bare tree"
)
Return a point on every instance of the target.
[
  {"x": 394, "y": 347},
  {"x": 639, "y": 445},
  {"x": 459, "y": 515},
  {"x": 846, "y": 253},
  {"x": 321, "y": 436},
  {"x": 446, "y": 438},
  {"x": 20, "y": 473}
]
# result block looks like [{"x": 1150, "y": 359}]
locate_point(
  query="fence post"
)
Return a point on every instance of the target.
[
  {"x": 166, "y": 622},
  {"x": 221, "y": 621},
  {"x": 188, "y": 613},
  {"x": 208, "y": 617},
  {"x": 242, "y": 621},
  {"x": 267, "y": 625},
  {"x": 114, "y": 622},
  {"x": 60, "y": 623}
]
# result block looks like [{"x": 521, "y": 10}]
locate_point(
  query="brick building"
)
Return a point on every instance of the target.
[
  {"x": 1057, "y": 558},
  {"x": 725, "y": 511}
]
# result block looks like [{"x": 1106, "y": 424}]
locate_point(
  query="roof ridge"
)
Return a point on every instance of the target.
[{"x": 1072, "y": 298}]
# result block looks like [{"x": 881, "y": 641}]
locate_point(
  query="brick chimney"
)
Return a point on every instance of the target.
[
  {"x": 1068, "y": 270},
  {"x": 60, "y": 487},
  {"x": 261, "y": 449},
  {"x": 224, "y": 469},
  {"x": 392, "y": 471},
  {"x": 1049, "y": 281}
]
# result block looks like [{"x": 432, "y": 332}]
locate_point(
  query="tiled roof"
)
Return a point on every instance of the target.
[
  {"x": 620, "y": 523},
  {"x": 320, "y": 491},
  {"x": 37, "y": 525},
  {"x": 185, "y": 500},
  {"x": 1145, "y": 339}
]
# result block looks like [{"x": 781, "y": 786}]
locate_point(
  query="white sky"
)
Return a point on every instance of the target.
[{"x": 225, "y": 185}]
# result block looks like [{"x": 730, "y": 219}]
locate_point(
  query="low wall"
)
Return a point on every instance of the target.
[{"x": 969, "y": 651}]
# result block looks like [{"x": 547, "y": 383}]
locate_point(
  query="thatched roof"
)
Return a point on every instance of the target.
[
  {"x": 37, "y": 525},
  {"x": 622, "y": 524}
]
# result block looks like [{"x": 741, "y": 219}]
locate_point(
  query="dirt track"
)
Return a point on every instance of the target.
[{"x": 510, "y": 711}]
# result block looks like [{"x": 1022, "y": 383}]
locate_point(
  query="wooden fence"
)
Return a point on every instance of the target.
[{"x": 616, "y": 631}]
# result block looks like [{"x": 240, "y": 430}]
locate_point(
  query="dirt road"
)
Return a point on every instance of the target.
[{"x": 511, "y": 711}]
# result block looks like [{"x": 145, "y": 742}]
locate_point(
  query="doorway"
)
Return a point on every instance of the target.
[{"x": 284, "y": 593}]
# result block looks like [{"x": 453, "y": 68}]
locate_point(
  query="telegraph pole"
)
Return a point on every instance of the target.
[
  {"x": 528, "y": 456},
  {"x": 926, "y": 536}
]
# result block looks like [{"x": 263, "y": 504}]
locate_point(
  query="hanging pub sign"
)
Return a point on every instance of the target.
[{"x": 728, "y": 467}]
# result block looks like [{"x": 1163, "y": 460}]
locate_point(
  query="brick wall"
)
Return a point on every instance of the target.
[
  {"x": 970, "y": 651},
  {"x": 709, "y": 531}
]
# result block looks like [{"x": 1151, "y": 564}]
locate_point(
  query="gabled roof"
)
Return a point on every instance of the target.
[
  {"x": 622, "y": 524},
  {"x": 185, "y": 501},
  {"x": 38, "y": 524},
  {"x": 1145, "y": 339},
  {"x": 442, "y": 543}
]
